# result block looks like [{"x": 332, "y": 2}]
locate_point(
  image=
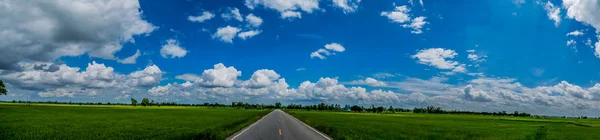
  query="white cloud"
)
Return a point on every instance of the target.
[
  {"x": 331, "y": 46},
  {"x": 261, "y": 78},
  {"x": 290, "y": 14},
  {"x": 416, "y": 25},
  {"x": 476, "y": 57},
  {"x": 318, "y": 53},
  {"x": 368, "y": 81},
  {"x": 159, "y": 90},
  {"x": 60, "y": 80},
  {"x": 575, "y": 33},
  {"x": 571, "y": 42},
  {"x": 335, "y": 47},
  {"x": 399, "y": 15},
  {"x": 189, "y": 77},
  {"x": 253, "y": 20},
  {"x": 220, "y": 84},
  {"x": 131, "y": 59},
  {"x": 347, "y": 5},
  {"x": 287, "y": 8},
  {"x": 474, "y": 94},
  {"x": 248, "y": 34},
  {"x": 234, "y": 13},
  {"x": 43, "y": 30},
  {"x": 584, "y": 11},
  {"x": 219, "y": 76},
  {"x": 226, "y": 34},
  {"x": 437, "y": 57},
  {"x": 172, "y": 49},
  {"x": 553, "y": 13},
  {"x": 205, "y": 16},
  {"x": 301, "y": 69},
  {"x": 383, "y": 75}
]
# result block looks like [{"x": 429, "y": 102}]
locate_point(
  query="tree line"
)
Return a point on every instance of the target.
[{"x": 317, "y": 107}]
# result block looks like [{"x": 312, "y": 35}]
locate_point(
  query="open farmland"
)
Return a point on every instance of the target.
[
  {"x": 343, "y": 125},
  {"x": 37, "y": 121}
]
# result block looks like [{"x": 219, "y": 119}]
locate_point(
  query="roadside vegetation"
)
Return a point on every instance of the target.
[
  {"x": 55, "y": 121},
  {"x": 147, "y": 119},
  {"x": 351, "y": 125}
]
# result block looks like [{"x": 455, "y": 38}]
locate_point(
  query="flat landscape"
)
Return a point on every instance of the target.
[
  {"x": 344, "y": 125},
  {"x": 37, "y": 121}
]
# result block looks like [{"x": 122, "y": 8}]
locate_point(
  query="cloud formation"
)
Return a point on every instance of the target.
[
  {"x": 226, "y": 34},
  {"x": 321, "y": 53},
  {"x": 172, "y": 49},
  {"x": 201, "y": 18},
  {"x": 287, "y": 8},
  {"x": 48, "y": 32},
  {"x": 439, "y": 58}
]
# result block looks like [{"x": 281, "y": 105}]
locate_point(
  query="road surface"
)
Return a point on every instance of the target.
[{"x": 278, "y": 125}]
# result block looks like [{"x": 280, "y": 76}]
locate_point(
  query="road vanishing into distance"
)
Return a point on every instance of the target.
[{"x": 278, "y": 125}]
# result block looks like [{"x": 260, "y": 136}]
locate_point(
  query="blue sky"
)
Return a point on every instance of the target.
[{"x": 527, "y": 55}]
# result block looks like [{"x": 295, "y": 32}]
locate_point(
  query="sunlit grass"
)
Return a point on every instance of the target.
[
  {"x": 343, "y": 125},
  {"x": 49, "y": 121}
]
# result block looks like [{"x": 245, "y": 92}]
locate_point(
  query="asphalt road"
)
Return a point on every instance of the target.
[{"x": 278, "y": 125}]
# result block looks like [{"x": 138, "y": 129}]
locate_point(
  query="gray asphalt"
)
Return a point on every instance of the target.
[{"x": 278, "y": 125}]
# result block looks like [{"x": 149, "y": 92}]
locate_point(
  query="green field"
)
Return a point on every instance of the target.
[
  {"x": 18, "y": 121},
  {"x": 342, "y": 125}
]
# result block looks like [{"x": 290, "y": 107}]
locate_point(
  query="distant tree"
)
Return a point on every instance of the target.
[
  {"x": 3, "y": 90},
  {"x": 145, "y": 102},
  {"x": 380, "y": 109},
  {"x": 391, "y": 109},
  {"x": 278, "y": 105},
  {"x": 134, "y": 102},
  {"x": 152, "y": 102},
  {"x": 356, "y": 108}
]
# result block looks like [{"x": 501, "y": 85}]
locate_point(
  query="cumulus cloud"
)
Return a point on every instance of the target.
[
  {"x": 478, "y": 95},
  {"x": 201, "y": 18},
  {"x": 248, "y": 34},
  {"x": 172, "y": 49},
  {"x": 585, "y": 11},
  {"x": 287, "y": 8},
  {"x": 253, "y": 20},
  {"x": 321, "y": 53},
  {"x": 131, "y": 59},
  {"x": 261, "y": 78},
  {"x": 48, "y": 32},
  {"x": 226, "y": 34},
  {"x": 438, "y": 57},
  {"x": 219, "y": 76},
  {"x": 401, "y": 15},
  {"x": 221, "y": 84},
  {"x": 347, "y": 5},
  {"x": 66, "y": 81},
  {"x": 553, "y": 13},
  {"x": 368, "y": 81}
]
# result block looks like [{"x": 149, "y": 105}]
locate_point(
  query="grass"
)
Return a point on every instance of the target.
[
  {"x": 345, "y": 125},
  {"x": 38, "y": 121}
]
